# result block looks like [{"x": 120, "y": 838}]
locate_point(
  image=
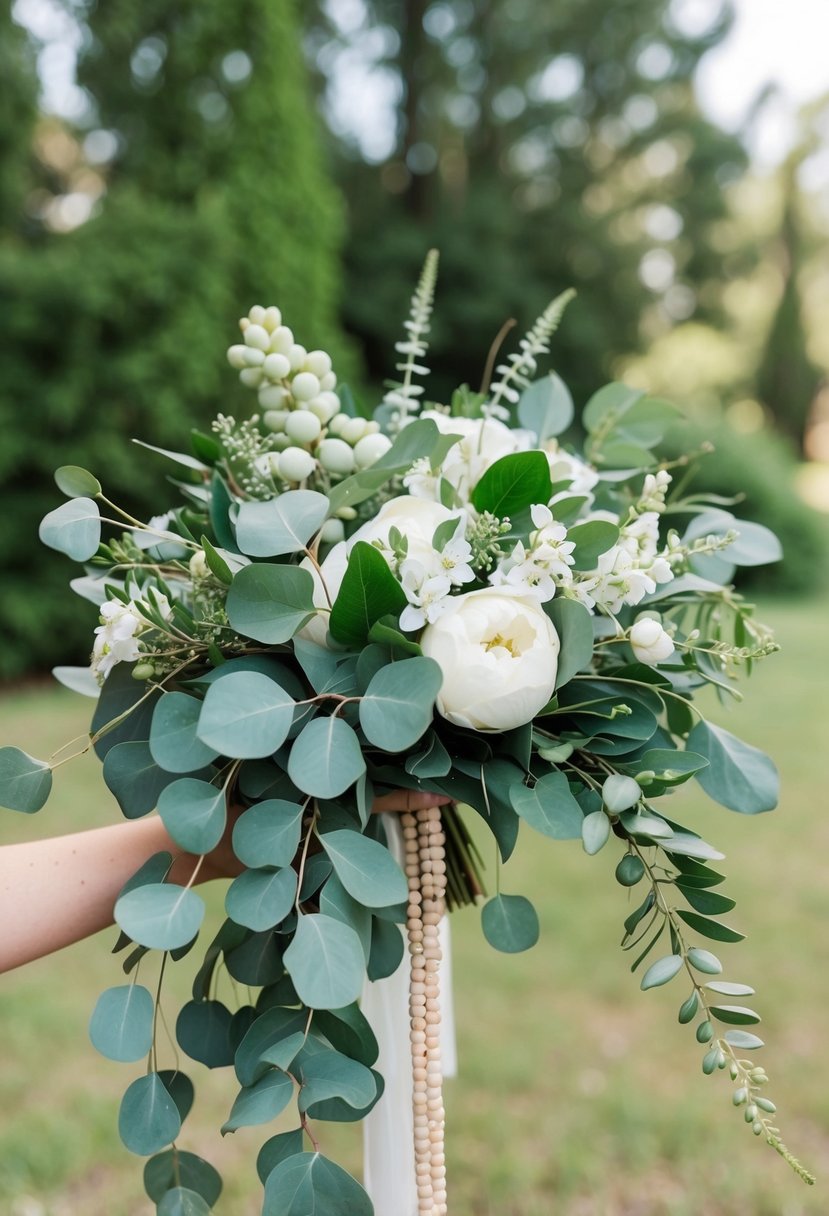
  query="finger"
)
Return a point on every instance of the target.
[{"x": 408, "y": 800}]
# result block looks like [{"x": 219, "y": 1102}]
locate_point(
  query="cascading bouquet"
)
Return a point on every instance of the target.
[{"x": 444, "y": 598}]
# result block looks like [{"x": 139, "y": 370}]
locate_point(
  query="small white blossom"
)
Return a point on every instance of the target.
[
  {"x": 654, "y": 491},
  {"x": 454, "y": 561},
  {"x": 650, "y": 641},
  {"x": 427, "y": 593},
  {"x": 421, "y": 482}
]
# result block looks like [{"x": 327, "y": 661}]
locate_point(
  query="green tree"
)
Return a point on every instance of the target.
[{"x": 17, "y": 120}]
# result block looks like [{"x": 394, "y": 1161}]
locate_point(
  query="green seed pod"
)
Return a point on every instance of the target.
[
  {"x": 688, "y": 1009},
  {"x": 757, "y": 1128},
  {"x": 709, "y": 1061},
  {"x": 750, "y": 1113},
  {"x": 721, "y": 1059},
  {"x": 630, "y": 870},
  {"x": 734, "y": 1071},
  {"x": 739, "y": 1096},
  {"x": 766, "y": 1104},
  {"x": 705, "y": 1032},
  {"x": 143, "y": 671}
]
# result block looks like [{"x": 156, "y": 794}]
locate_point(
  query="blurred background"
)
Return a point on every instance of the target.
[{"x": 165, "y": 165}]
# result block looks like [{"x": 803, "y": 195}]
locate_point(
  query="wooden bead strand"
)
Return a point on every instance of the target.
[{"x": 426, "y": 873}]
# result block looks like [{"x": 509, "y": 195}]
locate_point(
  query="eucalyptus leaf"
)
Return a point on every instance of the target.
[
  {"x": 738, "y": 776},
  {"x": 387, "y": 949},
  {"x": 121, "y": 1026},
  {"x": 174, "y": 744},
  {"x": 260, "y": 1102},
  {"x": 510, "y": 923},
  {"x": 148, "y": 1119},
  {"x": 161, "y": 916},
  {"x": 25, "y": 783},
  {"x": 74, "y": 528},
  {"x": 78, "y": 679},
  {"x": 270, "y": 603},
  {"x": 549, "y": 807},
  {"x": 660, "y": 972},
  {"x": 75, "y": 482},
  {"x": 398, "y": 705},
  {"x": 574, "y": 627},
  {"x": 326, "y": 758},
  {"x": 132, "y": 775},
  {"x": 329, "y": 1074},
  {"x": 193, "y": 812},
  {"x": 308, "y": 1183},
  {"x": 365, "y": 868},
  {"x": 608, "y": 406},
  {"x": 181, "y": 1201},
  {"x": 260, "y": 899},
  {"x": 281, "y": 525},
  {"x": 246, "y": 715},
  {"x": 546, "y": 407},
  {"x": 277, "y": 1149},
  {"x": 267, "y": 834},
  {"x": 270, "y": 1041},
  {"x": 325, "y": 961},
  {"x": 164, "y": 1171}
]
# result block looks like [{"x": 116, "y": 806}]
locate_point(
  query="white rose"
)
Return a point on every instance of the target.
[
  {"x": 415, "y": 518},
  {"x": 498, "y": 652},
  {"x": 483, "y": 441},
  {"x": 651, "y": 643}
]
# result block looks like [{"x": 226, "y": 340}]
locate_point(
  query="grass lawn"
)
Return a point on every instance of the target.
[{"x": 578, "y": 1094}]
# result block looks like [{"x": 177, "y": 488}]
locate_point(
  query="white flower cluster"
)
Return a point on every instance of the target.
[
  {"x": 544, "y": 564},
  {"x": 117, "y": 636},
  {"x": 302, "y": 412}
]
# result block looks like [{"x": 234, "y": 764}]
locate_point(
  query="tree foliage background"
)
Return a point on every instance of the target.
[{"x": 537, "y": 146}]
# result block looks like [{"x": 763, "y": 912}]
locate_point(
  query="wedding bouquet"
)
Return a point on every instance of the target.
[{"x": 445, "y": 597}]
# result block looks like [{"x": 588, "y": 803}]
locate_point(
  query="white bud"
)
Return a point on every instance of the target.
[
  {"x": 274, "y": 420},
  {"x": 347, "y": 513},
  {"x": 276, "y": 367},
  {"x": 323, "y": 407},
  {"x": 305, "y": 386},
  {"x": 296, "y": 354},
  {"x": 281, "y": 340},
  {"x": 272, "y": 396},
  {"x": 256, "y": 335},
  {"x": 244, "y": 322},
  {"x": 318, "y": 362},
  {"x": 280, "y": 441},
  {"x": 302, "y": 426},
  {"x": 650, "y": 642},
  {"x": 369, "y": 449},
  {"x": 336, "y": 456},
  {"x": 273, "y": 319},
  {"x": 337, "y": 423},
  {"x": 251, "y": 376},
  {"x": 236, "y": 356},
  {"x": 198, "y": 565},
  {"x": 332, "y": 531},
  {"x": 353, "y": 430},
  {"x": 254, "y": 357},
  {"x": 328, "y": 382},
  {"x": 620, "y": 793},
  {"x": 257, "y": 315},
  {"x": 372, "y": 428},
  {"x": 295, "y": 464}
]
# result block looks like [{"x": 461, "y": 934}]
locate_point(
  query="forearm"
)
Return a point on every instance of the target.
[{"x": 55, "y": 892}]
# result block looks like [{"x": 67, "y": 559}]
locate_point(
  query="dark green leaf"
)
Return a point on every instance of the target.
[
  {"x": 574, "y": 626},
  {"x": 75, "y": 482},
  {"x": 710, "y": 928},
  {"x": 270, "y": 603},
  {"x": 161, "y": 1173},
  {"x": 387, "y": 949},
  {"x": 510, "y": 923},
  {"x": 708, "y": 902},
  {"x": 277, "y": 1149},
  {"x": 368, "y": 592},
  {"x": 25, "y": 783},
  {"x": 132, "y": 775},
  {"x": 513, "y": 483},
  {"x": 307, "y": 1183},
  {"x": 591, "y": 539},
  {"x": 148, "y": 1119},
  {"x": 736, "y": 1015}
]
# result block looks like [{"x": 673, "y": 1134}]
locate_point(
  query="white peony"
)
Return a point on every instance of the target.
[
  {"x": 498, "y": 652},
  {"x": 650, "y": 641}
]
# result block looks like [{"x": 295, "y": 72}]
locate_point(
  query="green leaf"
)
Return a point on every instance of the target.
[
  {"x": 174, "y": 744},
  {"x": 387, "y": 949},
  {"x": 595, "y": 831},
  {"x": 687, "y": 845},
  {"x": 203, "y": 1032},
  {"x": 268, "y": 833},
  {"x": 398, "y": 705},
  {"x": 193, "y": 812},
  {"x": 163, "y": 1172},
  {"x": 277, "y": 1149},
  {"x": 650, "y": 826},
  {"x": 260, "y": 899},
  {"x": 216, "y": 564},
  {"x": 78, "y": 679},
  {"x": 670, "y": 767},
  {"x": 738, "y": 776},
  {"x": 260, "y": 1102},
  {"x": 75, "y": 482},
  {"x": 271, "y": 1041},
  {"x": 736, "y": 1015},
  {"x": 574, "y": 626},
  {"x": 710, "y": 928},
  {"x": 133, "y": 776},
  {"x": 25, "y": 783},
  {"x": 704, "y": 961},
  {"x": 688, "y": 1009},
  {"x": 182, "y": 458},
  {"x": 148, "y": 1119},
  {"x": 591, "y": 539},
  {"x": 73, "y": 528},
  {"x": 280, "y": 525},
  {"x": 607, "y": 406},
  {"x": 180, "y": 1088},
  {"x": 546, "y": 407},
  {"x": 366, "y": 868},
  {"x": 325, "y": 961},
  {"x": 368, "y": 592},
  {"x": 257, "y": 960},
  {"x": 730, "y": 989},
  {"x": 510, "y": 923},
  {"x": 432, "y": 761},
  {"x": 660, "y": 972},
  {"x": 270, "y": 603},
  {"x": 329, "y": 1074},
  {"x": 121, "y": 1026},
  {"x": 326, "y": 758},
  {"x": 418, "y": 439},
  {"x": 743, "y": 1040},
  {"x": 708, "y": 902},
  {"x": 549, "y": 807},
  {"x": 181, "y": 1201},
  {"x": 350, "y": 1032},
  {"x": 309, "y": 1183},
  {"x": 245, "y": 715},
  {"x": 514, "y": 483},
  {"x": 161, "y": 916}
]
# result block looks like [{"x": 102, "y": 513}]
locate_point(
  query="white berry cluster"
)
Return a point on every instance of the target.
[{"x": 301, "y": 410}]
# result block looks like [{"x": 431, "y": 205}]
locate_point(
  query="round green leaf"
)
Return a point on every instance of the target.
[
  {"x": 164, "y": 1171},
  {"x": 591, "y": 539},
  {"x": 132, "y": 775},
  {"x": 310, "y": 1183},
  {"x": 549, "y": 807},
  {"x": 260, "y": 899},
  {"x": 660, "y": 972},
  {"x": 75, "y": 482},
  {"x": 270, "y": 603},
  {"x": 335, "y": 901},
  {"x": 546, "y": 407},
  {"x": 246, "y": 715},
  {"x": 174, "y": 743},
  {"x": 280, "y": 525},
  {"x": 193, "y": 812},
  {"x": 181, "y": 1201},
  {"x": 121, "y": 1026},
  {"x": 74, "y": 528},
  {"x": 325, "y": 961},
  {"x": 365, "y": 868},
  {"x": 510, "y": 923},
  {"x": 398, "y": 705},
  {"x": 326, "y": 758},
  {"x": 738, "y": 776},
  {"x": 329, "y": 1074},
  {"x": 267, "y": 834},
  {"x": 203, "y": 1032},
  {"x": 270, "y": 1042},
  {"x": 161, "y": 916},
  {"x": 260, "y": 1102},
  {"x": 25, "y": 783},
  {"x": 278, "y": 1148},
  {"x": 181, "y": 1090},
  {"x": 148, "y": 1119}
]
